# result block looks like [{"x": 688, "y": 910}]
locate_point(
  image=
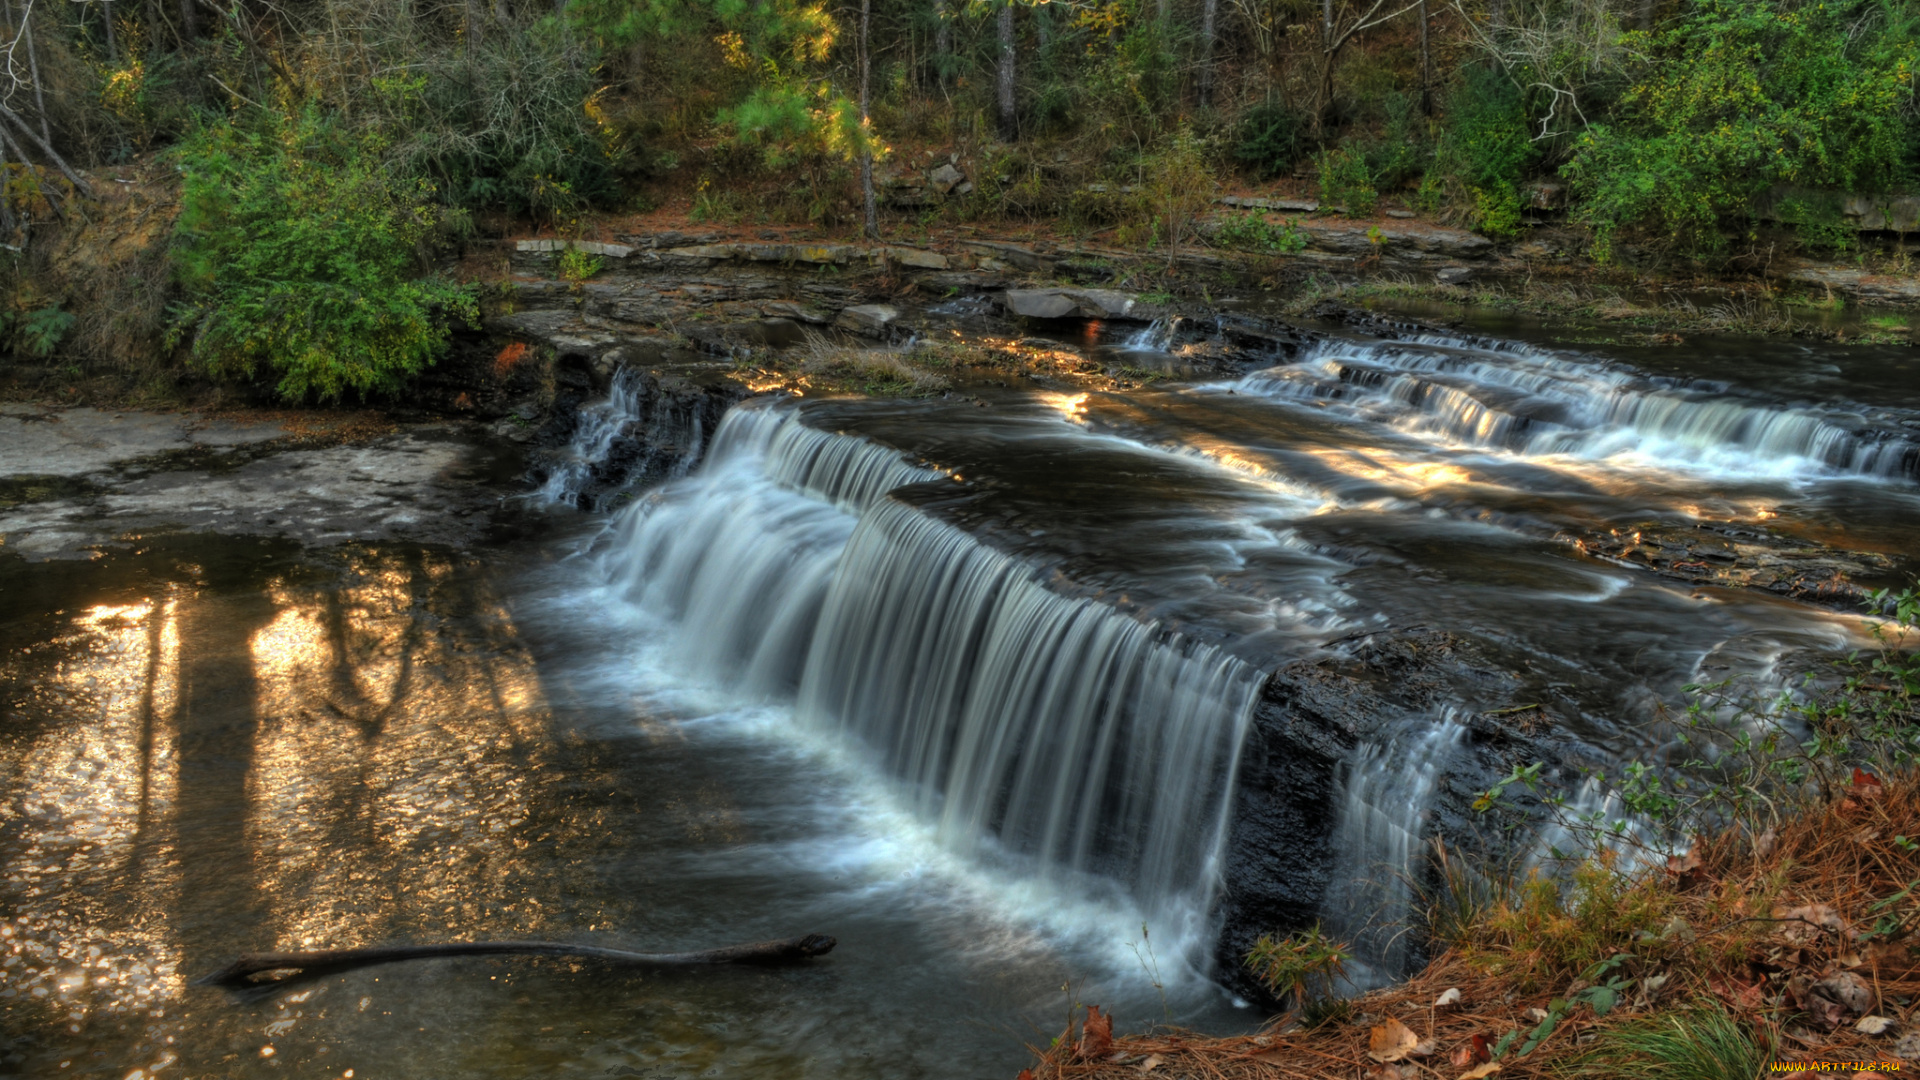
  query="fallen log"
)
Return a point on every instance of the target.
[{"x": 257, "y": 969}]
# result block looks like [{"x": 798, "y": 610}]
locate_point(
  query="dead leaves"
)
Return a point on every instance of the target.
[
  {"x": 1474, "y": 1051},
  {"x": 1687, "y": 871},
  {"x": 1865, "y": 790},
  {"x": 1811, "y": 923},
  {"x": 1830, "y": 1002},
  {"x": 1391, "y": 1041},
  {"x": 1096, "y": 1035}
]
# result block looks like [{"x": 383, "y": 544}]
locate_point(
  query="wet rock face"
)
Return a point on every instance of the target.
[
  {"x": 673, "y": 415},
  {"x": 1281, "y": 850}
]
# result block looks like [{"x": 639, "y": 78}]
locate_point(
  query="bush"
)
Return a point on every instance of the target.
[
  {"x": 1487, "y": 149},
  {"x": 1252, "y": 232},
  {"x": 1740, "y": 95},
  {"x": 1270, "y": 139},
  {"x": 1346, "y": 181},
  {"x": 299, "y": 254}
]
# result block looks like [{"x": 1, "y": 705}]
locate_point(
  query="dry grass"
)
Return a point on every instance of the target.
[{"x": 1746, "y": 926}]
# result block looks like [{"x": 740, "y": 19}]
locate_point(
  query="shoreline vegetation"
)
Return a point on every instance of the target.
[{"x": 250, "y": 197}]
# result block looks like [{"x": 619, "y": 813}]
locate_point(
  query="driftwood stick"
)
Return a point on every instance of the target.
[{"x": 243, "y": 971}]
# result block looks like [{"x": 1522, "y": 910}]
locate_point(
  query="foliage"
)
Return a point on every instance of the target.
[
  {"x": 1346, "y": 181},
  {"x": 1548, "y": 929},
  {"x": 1176, "y": 186},
  {"x": 1487, "y": 149},
  {"x": 38, "y": 332},
  {"x": 1302, "y": 966},
  {"x": 1270, "y": 138},
  {"x": 513, "y": 125},
  {"x": 298, "y": 253},
  {"x": 577, "y": 265},
  {"x": 1253, "y": 232},
  {"x": 1740, "y": 95}
]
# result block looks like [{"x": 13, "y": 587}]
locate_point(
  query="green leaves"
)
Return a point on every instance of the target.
[
  {"x": 1739, "y": 96},
  {"x": 297, "y": 252}
]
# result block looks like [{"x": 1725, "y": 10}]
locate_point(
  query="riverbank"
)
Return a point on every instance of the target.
[
  {"x": 102, "y": 284},
  {"x": 1765, "y": 954}
]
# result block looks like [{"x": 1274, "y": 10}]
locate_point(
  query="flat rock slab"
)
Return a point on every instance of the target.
[
  {"x": 1073, "y": 304},
  {"x": 76, "y": 442},
  {"x": 422, "y": 484}
]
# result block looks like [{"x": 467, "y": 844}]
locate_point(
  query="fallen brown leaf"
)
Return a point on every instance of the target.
[
  {"x": 1391, "y": 1041},
  {"x": 1096, "y": 1035}
]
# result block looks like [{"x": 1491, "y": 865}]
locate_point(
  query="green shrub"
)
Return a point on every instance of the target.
[
  {"x": 1496, "y": 212},
  {"x": 299, "y": 254},
  {"x": 38, "y": 332},
  {"x": 1270, "y": 139},
  {"x": 1303, "y": 966},
  {"x": 1252, "y": 232},
  {"x": 1485, "y": 151},
  {"x": 513, "y": 126},
  {"x": 1740, "y": 95},
  {"x": 1346, "y": 181}
]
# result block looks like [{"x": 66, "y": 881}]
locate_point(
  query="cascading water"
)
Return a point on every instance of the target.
[
  {"x": 662, "y": 442},
  {"x": 1049, "y": 730},
  {"x": 598, "y": 426},
  {"x": 1390, "y": 785},
  {"x": 1538, "y": 403},
  {"x": 1056, "y": 726}
]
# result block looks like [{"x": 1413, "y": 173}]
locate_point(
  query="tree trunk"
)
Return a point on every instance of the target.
[
  {"x": 1497, "y": 13},
  {"x": 33, "y": 72},
  {"x": 475, "y": 16},
  {"x": 1325, "y": 109},
  {"x": 1008, "y": 125},
  {"x": 6, "y": 201},
  {"x": 942, "y": 42},
  {"x": 1426, "y": 65},
  {"x": 113, "y": 44},
  {"x": 866, "y": 150},
  {"x": 189, "y": 22},
  {"x": 1209, "y": 15}
]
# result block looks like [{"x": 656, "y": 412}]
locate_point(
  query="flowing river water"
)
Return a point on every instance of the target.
[{"x": 963, "y": 683}]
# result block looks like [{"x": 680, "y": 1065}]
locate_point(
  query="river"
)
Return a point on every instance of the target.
[{"x": 964, "y": 683}]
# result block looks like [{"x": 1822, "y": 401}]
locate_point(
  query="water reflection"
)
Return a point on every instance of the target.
[{"x": 311, "y": 760}]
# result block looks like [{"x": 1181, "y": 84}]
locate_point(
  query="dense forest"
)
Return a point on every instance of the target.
[{"x": 325, "y": 146}]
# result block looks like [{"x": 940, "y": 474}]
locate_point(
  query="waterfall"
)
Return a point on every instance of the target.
[
  {"x": 634, "y": 434},
  {"x": 1156, "y": 336},
  {"x": 1028, "y": 725},
  {"x": 593, "y": 436},
  {"x": 1390, "y": 785},
  {"x": 1536, "y": 403},
  {"x": 1059, "y": 727}
]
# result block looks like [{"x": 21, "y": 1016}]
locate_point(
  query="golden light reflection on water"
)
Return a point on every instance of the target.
[
  {"x": 85, "y": 794},
  {"x": 389, "y": 745}
]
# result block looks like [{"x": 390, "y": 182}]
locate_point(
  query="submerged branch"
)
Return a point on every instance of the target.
[{"x": 249, "y": 969}]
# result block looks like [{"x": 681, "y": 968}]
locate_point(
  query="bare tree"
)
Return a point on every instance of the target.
[
  {"x": 866, "y": 147},
  {"x": 1209, "y": 15},
  {"x": 1008, "y": 120},
  {"x": 1340, "y": 20}
]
